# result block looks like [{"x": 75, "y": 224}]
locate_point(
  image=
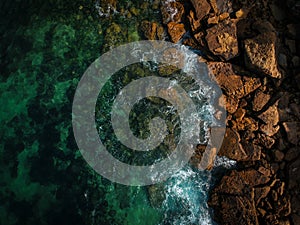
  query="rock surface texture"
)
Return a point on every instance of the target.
[{"x": 252, "y": 52}]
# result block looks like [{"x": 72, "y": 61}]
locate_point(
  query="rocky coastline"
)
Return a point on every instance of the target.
[{"x": 251, "y": 49}]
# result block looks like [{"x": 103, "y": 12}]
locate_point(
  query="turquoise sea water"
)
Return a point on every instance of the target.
[{"x": 45, "y": 49}]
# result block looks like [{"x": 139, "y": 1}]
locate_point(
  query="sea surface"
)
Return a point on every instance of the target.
[{"x": 46, "y": 46}]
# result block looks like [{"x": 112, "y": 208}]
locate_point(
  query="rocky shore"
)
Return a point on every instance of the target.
[{"x": 251, "y": 48}]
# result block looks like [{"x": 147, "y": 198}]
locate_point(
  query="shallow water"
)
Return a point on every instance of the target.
[{"x": 45, "y": 49}]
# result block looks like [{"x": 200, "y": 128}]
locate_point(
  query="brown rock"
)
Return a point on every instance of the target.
[
  {"x": 222, "y": 39},
  {"x": 294, "y": 172},
  {"x": 195, "y": 23},
  {"x": 176, "y": 31},
  {"x": 231, "y": 104},
  {"x": 201, "y": 7},
  {"x": 149, "y": 29},
  {"x": 251, "y": 84},
  {"x": 229, "y": 82},
  {"x": 293, "y": 131},
  {"x": 172, "y": 12},
  {"x": 279, "y": 156},
  {"x": 271, "y": 118},
  {"x": 260, "y": 54},
  {"x": 221, "y": 6},
  {"x": 261, "y": 193},
  {"x": 231, "y": 147},
  {"x": 260, "y": 100},
  {"x": 265, "y": 140},
  {"x": 292, "y": 154}
]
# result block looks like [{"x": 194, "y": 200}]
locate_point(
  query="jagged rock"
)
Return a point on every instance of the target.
[
  {"x": 260, "y": 100},
  {"x": 293, "y": 131},
  {"x": 270, "y": 118},
  {"x": 235, "y": 197},
  {"x": 176, "y": 31},
  {"x": 231, "y": 104},
  {"x": 231, "y": 146},
  {"x": 260, "y": 54},
  {"x": 251, "y": 84},
  {"x": 222, "y": 39},
  {"x": 264, "y": 140},
  {"x": 261, "y": 193},
  {"x": 279, "y": 156},
  {"x": 221, "y": 6},
  {"x": 229, "y": 82},
  {"x": 201, "y": 7},
  {"x": 172, "y": 12},
  {"x": 195, "y": 23},
  {"x": 149, "y": 29}
]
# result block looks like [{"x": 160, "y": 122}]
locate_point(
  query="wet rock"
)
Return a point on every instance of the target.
[
  {"x": 156, "y": 195},
  {"x": 260, "y": 54},
  {"x": 229, "y": 82},
  {"x": 172, "y": 12},
  {"x": 293, "y": 131},
  {"x": 260, "y": 100},
  {"x": 222, "y": 39},
  {"x": 176, "y": 31},
  {"x": 202, "y": 8},
  {"x": 270, "y": 118}
]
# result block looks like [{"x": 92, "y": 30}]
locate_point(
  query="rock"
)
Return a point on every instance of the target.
[
  {"x": 296, "y": 61},
  {"x": 260, "y": 100},
  {"x": 222, "y": 39},
  {"x": 264, "y": 140},
  {"x": 201, "y": 7},
  {"x": 156, "y": 195},
  {"x": 221, "y": 6},
  {"x": 172, "y": 12},
  {"x": 271, "y": 118},
  {"x": 279, "y": 156},
  {"x": 282, "y": 60},
  {"x": 294, "y": 31},
  {"x": 292, "y": 154},
  {"x": 251, "y": 84},
  {"x": 261, "y": 193},
  {"x": 294, "y": 172},
  {"x": 292, "y": 45},
  {"x": 231, "y": 147},
  {"x": 230, "y": 83},
  {"x": 260, "y": 54},
  {"x": 293, "y": 131},
  {"x": 235, "y": 197},
  {"x": 231, "y": 104},
  {"x": 195, "y": 23},
  {"x": 176, "y": 31},
  {"x": 149, "y": 29}
]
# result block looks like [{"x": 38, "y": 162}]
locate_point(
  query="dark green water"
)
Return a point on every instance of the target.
[{"x": 45, "y": 49}]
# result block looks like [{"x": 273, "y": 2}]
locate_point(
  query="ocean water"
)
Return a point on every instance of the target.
[{"x": 45, "y": 48}]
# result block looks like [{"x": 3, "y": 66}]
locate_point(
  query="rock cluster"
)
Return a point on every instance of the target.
[{"x": 252, "y": 53}]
